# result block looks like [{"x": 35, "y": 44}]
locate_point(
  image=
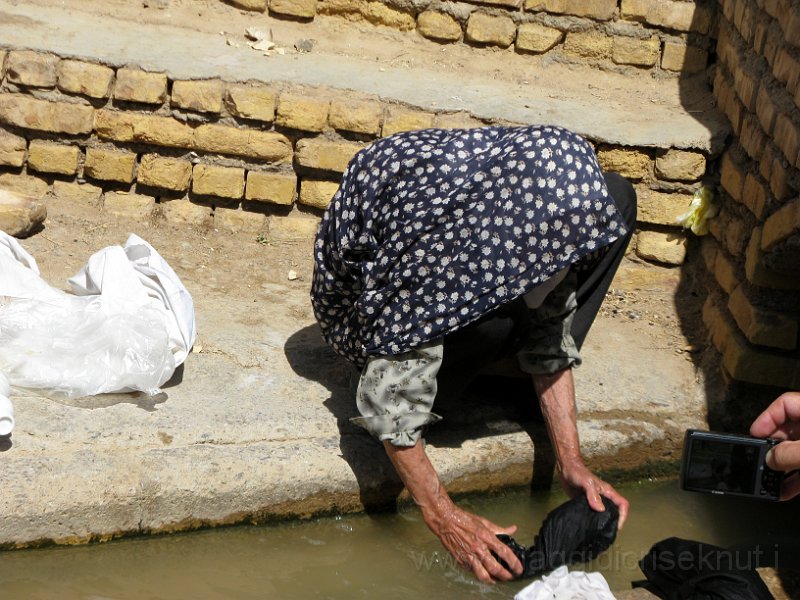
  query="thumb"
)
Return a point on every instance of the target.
[
  {"x": 595, "y": 500},
  {"x": 511, "y": 530},
  {"x": 784, "y": 457}
]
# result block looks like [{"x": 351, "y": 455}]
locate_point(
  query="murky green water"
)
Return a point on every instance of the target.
[{"x": 388, "y": 556}]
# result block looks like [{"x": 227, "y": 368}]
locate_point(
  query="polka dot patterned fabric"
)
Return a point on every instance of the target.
[{"x": 430, "y": 230}]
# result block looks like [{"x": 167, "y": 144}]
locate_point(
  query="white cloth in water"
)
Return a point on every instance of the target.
[
  {"x": 128, "y": 325},
  {"x": 563, "y": 584}
]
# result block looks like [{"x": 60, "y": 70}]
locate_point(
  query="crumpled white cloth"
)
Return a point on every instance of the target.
[
  {"x": 563, "y": 584},
  {"x": 127, "y": 326}
]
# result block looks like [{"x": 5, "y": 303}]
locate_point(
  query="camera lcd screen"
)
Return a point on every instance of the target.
[{"x": 723, "y": 466}]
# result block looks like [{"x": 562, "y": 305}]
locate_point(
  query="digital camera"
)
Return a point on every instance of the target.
[{"x": 728, "y": 464}]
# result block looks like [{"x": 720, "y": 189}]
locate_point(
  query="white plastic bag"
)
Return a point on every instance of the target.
[{"x": 127, "y": 328}]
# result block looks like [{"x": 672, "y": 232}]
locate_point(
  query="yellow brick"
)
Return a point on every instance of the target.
[
  {"x": 185, "y": 212},
  {"x": 591, "y": 44},
  {"x": 83, "y": 193},
  {"x": 781, "y": 224},
  {"x": 317, "y": 193},
  {"x": 325, "y": 155},
  {"x": 680, "y": 57},
  {"x": 758, "y": 273},
  {"x": 165, "y": 173},
  {"x": 239, "y": 221},
  {"x": 277, "y": 188},
  {"x": 304, "y": 9},
  {"x": 779, "y": 180},
  {"x": 301, "y": 112},
  {"x": 200, "y": 96},
  {"x": 3, "y": 55},
  {"x": 41, "y": 115},
  {"x": 88, "y": 79},
  {"x": 399, "y": 119},
  {"x": 732, "y": 177},
  {"x": 256, "y": 102},
  {"x": 680, "y": 165},
  {"x": 532, "y": 37},
  {"x": 379, "y": 13},
  {"x": 211, "y": 180},
  {"x": 358, "y": 117},
  {"x": 601, "y": 10},
  {"x": 488, "y": 29},
  {"x": 33, "y": 69},
  {"x": 760, "y": 326},
  {"x": 786, "y": 67},
  {"x": 725, "y": 273},
  {"x": 754, "y": 195},
  {"x": 24, "y": 184},
  {"x": 747, "y": 363},
  {"x": 633, "y": 164},
  {"x": 660, "y": 208},
  {"x": 12, "y": 149},
  {"x": 264, "y": 145},
  {"x": 293, "y": 228},
  {"x": 135, "y": 85},
  {"x": 49, "y": 157},
  {"x": 459, "y": 120},
  {"x": 787, "y": 137},
  {"x": 109, "y": 165},
  {"x": 670, "y": 14},
  {"x": 128, "y": 206},
  {"x": 766, "y": 110},
  {"x": 259, "y": 5},
  {"x": 667, "y": 248},
  {"x": 134, "y": 127},
  {"x": 20, "y": 215},
  {"x": 633, "y": 51},
  {"x": 438, "y": 26}
]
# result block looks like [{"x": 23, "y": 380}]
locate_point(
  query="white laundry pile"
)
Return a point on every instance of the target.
[
  {"x": 563, "y": 584},
  {"x": 127, "y": 325}
]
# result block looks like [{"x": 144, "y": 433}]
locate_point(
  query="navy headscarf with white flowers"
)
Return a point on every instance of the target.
[{"x": 430, "y": 230}]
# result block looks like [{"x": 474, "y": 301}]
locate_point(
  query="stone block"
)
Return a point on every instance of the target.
[
  {"x": 251, "y": 102},
  {"x": 317, "y": 193},
  {"x": 79, "y": 193},
  {"x": 379, "y": 13},
  {"x": 593, "y": 45},
  {"x": 400, "y": 119},
  {"x": 24, "y": 184},
  {"x": 165, "y": 173},
  {"x": 263, "y": 145},
  {"x": 185, "y": 212},
  {"x": 683, "y": 58},
  {"x": 668, "y": 14},
  {"x": 600, "y": 10},
  {"x": 493, "y": 30},
  {"x": 293, "y": 228},
  {"x": 358, "y": 117},
  {"x": 732, "y": 176},
  {"x": 31, "y": 69},
  {"x": 135, "y": 85},
  {"x": 304, "y": 9},
  {"x": 277, "y": 188},
  {"x": 660, "y": 208},
  {"x": 257, "y": 5},
  {"x": 128, "y": 206},
  {"x": 3, "y": 55},
  {"x": 666, "y": 248},
  {"x": 458, "y": 120},
  {"x": 199, "y": 96},
  {"x": 20, "y": 215},
  {"x": 630, "y": 163},
  {"x": 212, "y": 180},
  {"x": 239, "y": 221},
  {"x": 50, "y": 157},
  {"x": 148, "y": 129},
  {"x": 781, "y": 224},
  {"x": 680, "y": 165},
  {"x": 42, "y": 115},
  {"x": 302, "y": 112},
  {"x": 110, "y": 164},
  {"x": 533, "y": 37},
  {"x": 12, "y": 149},
  {"x": 325, "y": 155},
  {"x": 725, "y": 273},
  {"x": 87, "y": 79},
  {"x": 439, "y": 26},
  {"x": 754, "y": 195},
  {"x": 761, "y": 326},
  {"x": 787, "y": 137},
  {"x": 636, "y": 52}
]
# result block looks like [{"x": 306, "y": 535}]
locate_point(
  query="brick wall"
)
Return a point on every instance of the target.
[
  {"x": 753, "y": 308},
  {"x": 239, "y": 156},
  {"x": 668, "y": 36}
]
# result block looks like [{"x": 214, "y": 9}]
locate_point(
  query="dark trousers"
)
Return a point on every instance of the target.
[{"x": 471, "y": 349}]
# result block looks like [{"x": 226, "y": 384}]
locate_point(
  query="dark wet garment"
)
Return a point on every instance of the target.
[
  {"x": 572, "y": 533},
  {"x": 679, "y": 569}
]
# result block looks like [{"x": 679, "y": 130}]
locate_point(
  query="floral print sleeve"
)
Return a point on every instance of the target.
[{"x": 396, "y": 393}]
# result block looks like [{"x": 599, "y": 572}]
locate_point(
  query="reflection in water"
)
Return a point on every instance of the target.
[{"x": 387, "y": 556}]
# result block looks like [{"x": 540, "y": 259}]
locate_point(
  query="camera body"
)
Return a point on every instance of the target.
[{"x": 729, "y": 464}]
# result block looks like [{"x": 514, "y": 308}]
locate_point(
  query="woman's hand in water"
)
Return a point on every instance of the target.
[{"x": 577, "y": 479}]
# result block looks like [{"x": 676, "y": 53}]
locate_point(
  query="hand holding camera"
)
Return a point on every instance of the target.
[{"x": 781, "y": 421}]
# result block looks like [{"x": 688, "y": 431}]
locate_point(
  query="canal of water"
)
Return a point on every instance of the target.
[{"x": 388, "y": 556}]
